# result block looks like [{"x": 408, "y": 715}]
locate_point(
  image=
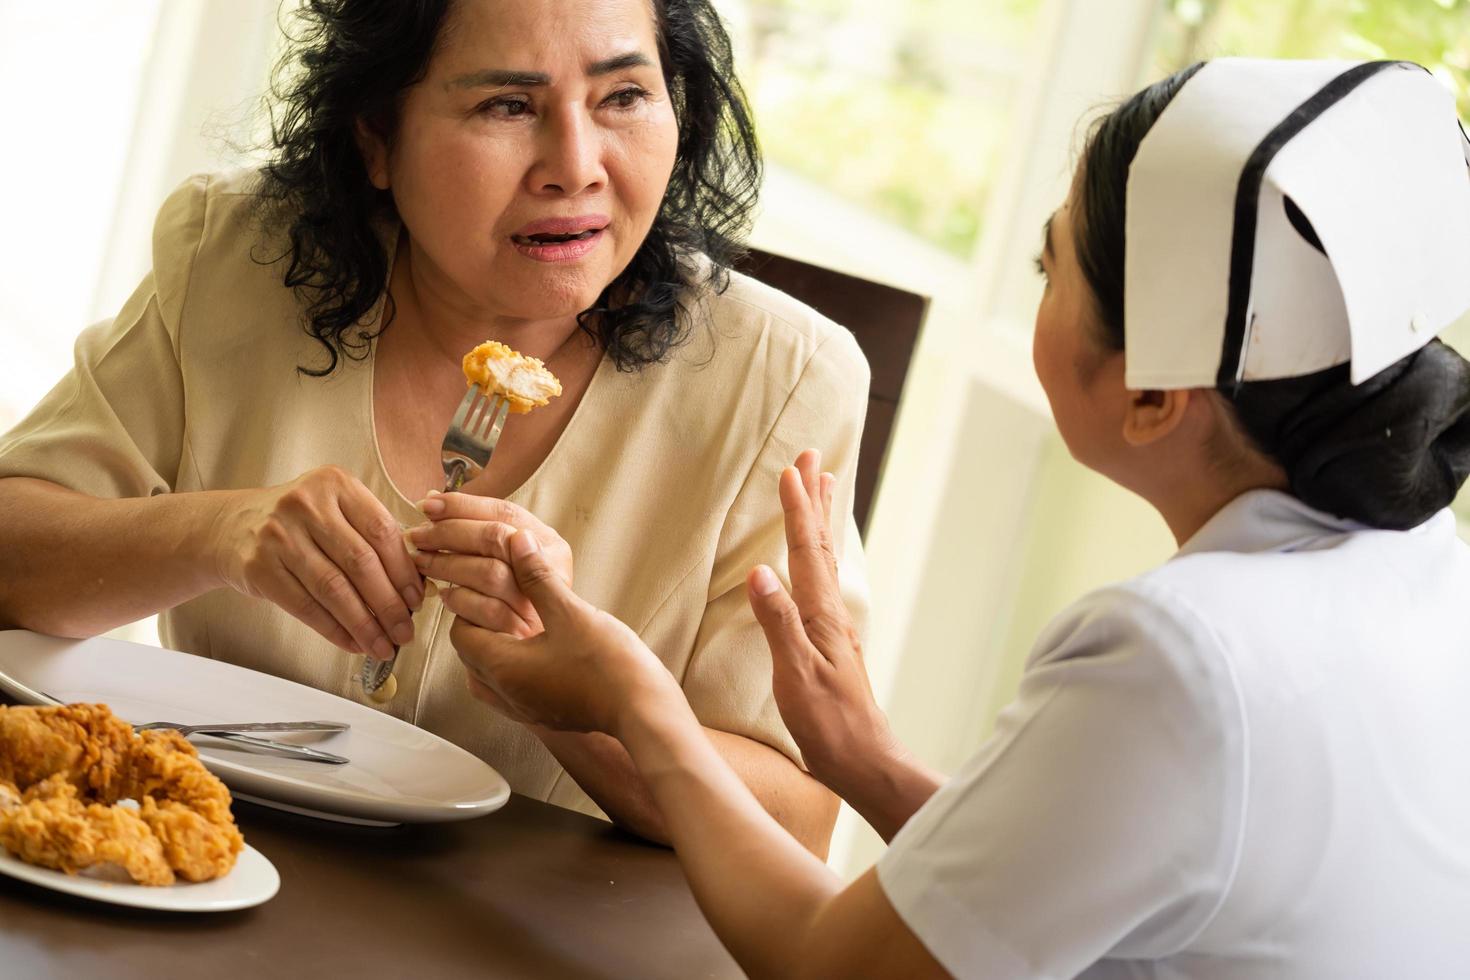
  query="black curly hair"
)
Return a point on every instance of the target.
[{"x": 350, "y": 60}]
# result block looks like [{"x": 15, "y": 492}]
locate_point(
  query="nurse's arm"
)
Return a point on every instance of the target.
[
  {"x": 779, "y": 910},
  {"x": 803, "y": 807}
]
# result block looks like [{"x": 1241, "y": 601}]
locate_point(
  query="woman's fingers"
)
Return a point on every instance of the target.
[
  {"x": 361, "y": 566},
  {"x": 467, "y": 506},
  {"x": 488, "y": 576},
  {"x": 484, "y": 526},
  {"x": 380, "y": 531},
  {"x": 329, "y": 585},
  {"x": 286, "y": 591},
  {"x": 489, "y": 612},
  {"x": 467, "y": 537}
]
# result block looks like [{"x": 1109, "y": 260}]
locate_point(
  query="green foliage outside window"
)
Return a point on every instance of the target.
[
  {"x": 899, "y": 108},
  {"x": 1433, "y": 33}
]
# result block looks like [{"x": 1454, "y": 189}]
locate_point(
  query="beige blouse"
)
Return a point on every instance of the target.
[{"x": 663, "y": 482}]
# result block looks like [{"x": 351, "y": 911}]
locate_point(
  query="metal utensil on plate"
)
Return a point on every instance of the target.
[
  {"x": 248, "y": 726},
  {"x": 285, "y": 748},
  {"x": 464, "y": 453}
]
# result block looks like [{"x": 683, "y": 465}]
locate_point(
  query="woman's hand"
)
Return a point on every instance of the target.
[
  {"x": 819, "y": 680},
  {"x": 583, "y": 671},
  {"x": 467, "y": 545},
  {"x": 327, "y": 551}
]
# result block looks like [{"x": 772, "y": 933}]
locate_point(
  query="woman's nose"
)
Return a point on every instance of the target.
[{"x": 569, "y": 160}]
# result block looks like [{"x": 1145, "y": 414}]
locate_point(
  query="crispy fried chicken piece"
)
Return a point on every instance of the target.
[
  {"x": 62, "y": 772},
  {"x": 184, "y": 804},
  {"x": 498, "y": 370},
  {"x": 54, "y": 829},
  {"x": 85, "y": 741}
]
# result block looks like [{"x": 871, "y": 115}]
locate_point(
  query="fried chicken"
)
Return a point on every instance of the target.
[
  {"x": 185, "y": 805},
  {"x": 523, "y": 381},
  {"x": 64, "y": 773},
  {"x": 54, "y": 829}
]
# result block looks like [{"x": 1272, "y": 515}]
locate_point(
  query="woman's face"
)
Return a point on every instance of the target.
[
  {"x": 1082, "y": 378},
  {"x": 530, "y": 162}
]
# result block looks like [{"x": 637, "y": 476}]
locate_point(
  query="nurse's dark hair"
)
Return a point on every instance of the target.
[
  {"x": 354, "y": 59},
  {"x": 1389, "y": 453}
]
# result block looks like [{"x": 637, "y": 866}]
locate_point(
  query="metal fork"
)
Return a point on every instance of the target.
[
  {"x": 247, "y": 726},
  {"x": 472, "y": 436},
  {"x": 463, "y": 454},
  {"x": 239, "y": 733}
]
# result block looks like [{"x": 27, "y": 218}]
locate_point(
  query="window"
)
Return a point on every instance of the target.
[
  {"x": 65, "y": 171},
  {"x": 1433, "y": 33},
  {"x": 881, "y": 124}
]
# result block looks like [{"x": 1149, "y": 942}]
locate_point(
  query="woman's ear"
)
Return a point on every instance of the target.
[
  {"x": 374, "y": 154},
  {"x": 1153, "y": 414}
]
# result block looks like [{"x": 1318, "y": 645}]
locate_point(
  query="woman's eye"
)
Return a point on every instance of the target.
[
  {"x": 505, "y": 107},
  {"x": 626, "y": 98},
  {"x": 1040, "y": 267}
]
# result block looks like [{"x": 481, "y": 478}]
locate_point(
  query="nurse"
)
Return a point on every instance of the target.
[{"x": 1248, "y": 762}]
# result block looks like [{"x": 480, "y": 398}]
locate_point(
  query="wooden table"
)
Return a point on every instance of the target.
[{"x": 529, "y": 891}]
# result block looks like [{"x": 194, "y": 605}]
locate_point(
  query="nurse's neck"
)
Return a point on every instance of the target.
[
  {"x": 1198, "y": 468},
  {"x": 1190, "y": 508}
]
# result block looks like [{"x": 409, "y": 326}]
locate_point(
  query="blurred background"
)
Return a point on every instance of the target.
[{"x": 919, "y": 144}]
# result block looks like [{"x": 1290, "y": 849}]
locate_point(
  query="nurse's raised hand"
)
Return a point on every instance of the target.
[
  {"x": 820, "y": 683},
  {"x": 584, "y": 672},
  {"x": 327, "y": 551}
]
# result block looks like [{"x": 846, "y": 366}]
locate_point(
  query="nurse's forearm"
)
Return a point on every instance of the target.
[
  {"x": 75, "y": 565},
  {"x": 779, "y": 910},
  {"x": 886, "y": 791},
  {"x": 604, "y": 771}
]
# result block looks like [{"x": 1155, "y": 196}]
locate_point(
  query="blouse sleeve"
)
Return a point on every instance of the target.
[
  {"x": 1103, "y": 817},
  {"x": 114, "y": 424},
  {"x": 728, "y": 678}
]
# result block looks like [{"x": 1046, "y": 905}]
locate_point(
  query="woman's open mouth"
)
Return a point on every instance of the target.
[
  {"x": 560, "y": 239},
  {"x": 553, "y": 239}
]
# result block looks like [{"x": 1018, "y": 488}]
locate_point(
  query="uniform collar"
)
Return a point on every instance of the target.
[{"x": 1269, "y": 520}]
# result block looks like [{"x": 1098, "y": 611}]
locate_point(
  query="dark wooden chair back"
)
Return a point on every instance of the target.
[{"x": 885, "y": 322}]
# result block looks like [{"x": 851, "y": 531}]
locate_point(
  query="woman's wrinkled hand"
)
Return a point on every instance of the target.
[
  {"x": 466, "y": 544},
  {"x": 819, "y": 680},
  {"x": 581, "y": 672},
  {"x": 328, "y": 552}
]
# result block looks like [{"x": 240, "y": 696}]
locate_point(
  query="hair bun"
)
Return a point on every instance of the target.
[{"x": 1390, "y": 452}]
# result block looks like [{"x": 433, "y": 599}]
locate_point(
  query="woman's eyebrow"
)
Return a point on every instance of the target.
[
  {"x": 632, "y": 59},
  {"x": 499, "y": 78},
  {"x": 515, "y": 78},
  {"x": 1046, "y": 236}
]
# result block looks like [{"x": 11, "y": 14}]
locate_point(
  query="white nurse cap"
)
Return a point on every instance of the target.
[{"x": 1223, "y": 283}]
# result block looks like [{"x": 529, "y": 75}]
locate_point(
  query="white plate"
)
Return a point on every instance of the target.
[
  {"x": 251, "y": 881},
  {"x": 398, "y": 773}
]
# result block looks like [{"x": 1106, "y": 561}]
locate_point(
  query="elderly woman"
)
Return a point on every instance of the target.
[
  {"x": 240, "y": 447},
  {"x": 1246, "y": 763}
]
